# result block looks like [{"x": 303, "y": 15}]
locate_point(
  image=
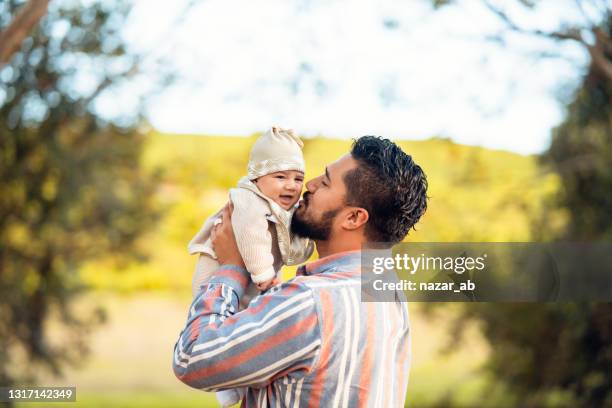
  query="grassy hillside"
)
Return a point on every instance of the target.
[{"x": 476, "y": 195}]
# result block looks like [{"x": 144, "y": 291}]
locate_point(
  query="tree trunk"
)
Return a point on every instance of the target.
[{"x": 22, "y": 25}]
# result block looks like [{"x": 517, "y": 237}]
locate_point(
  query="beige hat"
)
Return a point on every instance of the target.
[{"x": 276, "y": 150}]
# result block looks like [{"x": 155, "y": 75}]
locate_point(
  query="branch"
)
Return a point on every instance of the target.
[
  {"x": 21, "y": 26},
  {"x": 598, "y": 52},
  {"x": 571, "y": 33},
  {"x": 585, "y": 15},
  {"x": 107, "y": 82}
]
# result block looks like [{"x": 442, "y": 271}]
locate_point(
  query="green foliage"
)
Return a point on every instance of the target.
[
  {"x": 581, "y": 153},
  {"x": 71, "y": 187},
  {"x": 549, "y": 355}
]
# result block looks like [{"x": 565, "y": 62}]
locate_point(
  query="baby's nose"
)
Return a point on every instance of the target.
[{"x": 291, "y": 185}]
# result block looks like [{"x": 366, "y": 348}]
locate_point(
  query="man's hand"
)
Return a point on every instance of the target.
[{"x": 224, "y": 241}]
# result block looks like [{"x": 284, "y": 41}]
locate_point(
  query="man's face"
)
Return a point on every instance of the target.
[{"x": 322, "y": 201}]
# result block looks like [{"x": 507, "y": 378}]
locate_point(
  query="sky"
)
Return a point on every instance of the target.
[{"x": 347, "y": 68}]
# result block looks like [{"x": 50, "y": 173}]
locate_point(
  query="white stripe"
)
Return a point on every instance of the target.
[
  {"x": 399, "y": 313},
  {"x": 288, "y": 395},
  {"x": 267, "y": 372},
  {"x": 260, "y": 401},
  {"x": 226, "y": 302},
  {"x": 273, "y": 322},
  {"x": 183, "y": 358},
  {"x": 345, "y": 346},
  {"x": 298, "y": 393},
  {"x": 381, "y": 370},
  {"x": 252, "y": 325},
  {"x": 176, "y": 354},
  {"x": 191, "y": 311},
  {"x": 409, "y": 346},
  {"x": 328, "y": 283},
  {"x": 355, "y": 336}
]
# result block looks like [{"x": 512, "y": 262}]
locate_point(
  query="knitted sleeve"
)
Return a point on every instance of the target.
[
  {"x": 252, "y": 234},
  {"x": 197, "y": 243}
]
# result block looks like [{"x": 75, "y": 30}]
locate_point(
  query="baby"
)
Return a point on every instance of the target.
[{"x": 264, "y": 203}]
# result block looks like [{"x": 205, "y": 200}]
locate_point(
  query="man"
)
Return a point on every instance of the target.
[{"x": 310, "y": 342}]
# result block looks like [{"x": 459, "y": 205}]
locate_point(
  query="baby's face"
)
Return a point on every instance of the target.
[{"x": 283, "y": 187}]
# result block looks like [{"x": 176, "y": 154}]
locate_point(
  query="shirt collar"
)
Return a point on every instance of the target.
[{"x": 347, "y": 259}]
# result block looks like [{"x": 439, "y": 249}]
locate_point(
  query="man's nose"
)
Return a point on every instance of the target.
[{"x": 311, "y": 185}]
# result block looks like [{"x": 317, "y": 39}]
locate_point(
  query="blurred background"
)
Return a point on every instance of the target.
[{"x": 124, "y": 123}]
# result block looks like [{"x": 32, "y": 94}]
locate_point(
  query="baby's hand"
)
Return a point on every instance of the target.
[{"x": 263, "y": 286}]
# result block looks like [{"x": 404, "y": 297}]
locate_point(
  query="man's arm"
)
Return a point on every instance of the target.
[{"x": 277, "y": 334}]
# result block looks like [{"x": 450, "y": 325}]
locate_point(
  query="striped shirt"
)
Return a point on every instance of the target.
[{"x": 309, "y": 342}]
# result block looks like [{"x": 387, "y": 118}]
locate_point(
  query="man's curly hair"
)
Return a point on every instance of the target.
[{"x": 389, "y": 185}]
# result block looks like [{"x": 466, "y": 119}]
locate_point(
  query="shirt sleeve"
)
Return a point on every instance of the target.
[
  {"x": 253, "y": 236},
  {"x": 196, "y": 245},
  {"x": 278, "y": 334}
]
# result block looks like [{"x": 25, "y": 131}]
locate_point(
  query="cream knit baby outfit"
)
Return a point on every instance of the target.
[{"x": 262, "y": 233}]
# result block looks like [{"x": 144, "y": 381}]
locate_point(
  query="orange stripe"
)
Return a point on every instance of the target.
[
  {"x": 195, "y": 329},
  {"x": 265, "y": 345},
  {"x": 233, "y": 274},
  {"x": 368, "y": 353},
  {"x": 328, "y": 326}
]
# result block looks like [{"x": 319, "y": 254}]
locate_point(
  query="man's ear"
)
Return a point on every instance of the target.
[{"x": 355, "y": 218}]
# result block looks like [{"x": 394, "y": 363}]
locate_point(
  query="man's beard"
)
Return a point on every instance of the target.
[{"x": 316, "y": 230}]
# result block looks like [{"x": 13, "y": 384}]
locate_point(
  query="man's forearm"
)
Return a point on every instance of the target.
[{"x": 220, "y": 349}]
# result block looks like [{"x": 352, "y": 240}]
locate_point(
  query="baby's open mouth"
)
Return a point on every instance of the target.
[{"x": 286, "y": 199}]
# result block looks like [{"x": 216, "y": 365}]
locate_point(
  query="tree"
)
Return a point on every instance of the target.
[
  {"x": 561, "y": 354},
  {"x": 71, "y": 188},
  {"x": 581, "y": 154}
]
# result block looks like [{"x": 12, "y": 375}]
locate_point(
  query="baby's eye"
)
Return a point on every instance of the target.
[{"x": 280, "y": 176}]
